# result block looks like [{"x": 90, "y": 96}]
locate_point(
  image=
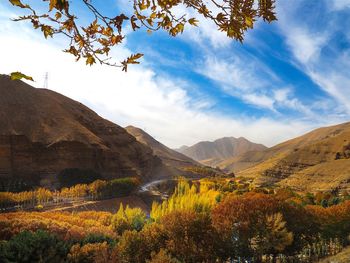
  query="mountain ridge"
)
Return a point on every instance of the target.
[
  {"x": 214, "y": 152},
  {"x": 43, "y": 133},
  {"x": 167, "y": 155},
  {"x": 299, "y": 159}
]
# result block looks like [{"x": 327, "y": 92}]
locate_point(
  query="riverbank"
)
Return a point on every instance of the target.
[{"x": 109, "y": 205}]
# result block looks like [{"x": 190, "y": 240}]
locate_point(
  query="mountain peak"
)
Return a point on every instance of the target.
[{"x": 214, "y": 152}]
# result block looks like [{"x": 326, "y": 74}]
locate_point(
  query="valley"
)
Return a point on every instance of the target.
[{"x": 69, "y": 175}]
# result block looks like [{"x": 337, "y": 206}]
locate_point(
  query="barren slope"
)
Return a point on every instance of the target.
[
  {"x": 43, "y": 133},
  {"x": 167, "y": 155},
  {"x": 213, "y": 153},
  {"x": 320, "y": 152}
]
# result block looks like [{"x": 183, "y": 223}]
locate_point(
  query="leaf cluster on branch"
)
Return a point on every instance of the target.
[{"x": 93, "y": 41}]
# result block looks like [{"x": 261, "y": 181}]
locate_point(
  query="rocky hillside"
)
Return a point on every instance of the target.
[
  {"x": 216, "y": 152},
  {"x": 43, "y": 133},
  {"x": 168, "y": 156},
  {"x": 317, "y": 160}
]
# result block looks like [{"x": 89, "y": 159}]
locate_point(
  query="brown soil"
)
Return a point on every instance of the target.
[
  {"x": 43, "y": 132},
  {"x": 110, "y": 205}
]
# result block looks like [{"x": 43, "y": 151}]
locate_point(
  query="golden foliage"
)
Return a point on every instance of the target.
[
  {"x": 94, "y": 40},
  {"x": 128, "y": 219},
  {"x": 65, "y": 225},
  {"x": 186, "y": 198},
  {"x": 95, "y": 252},
  {"x": 162, "y": 257},
  {"x": 96, "y": 190}
]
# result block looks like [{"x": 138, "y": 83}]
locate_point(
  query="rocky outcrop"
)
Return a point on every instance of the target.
[{"x": 43, "y": 133}]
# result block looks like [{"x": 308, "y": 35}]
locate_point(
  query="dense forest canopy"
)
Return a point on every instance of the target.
[{"x": 210, "y": 220}]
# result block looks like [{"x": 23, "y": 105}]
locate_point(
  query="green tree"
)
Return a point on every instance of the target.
[{"x": 29, "y": 246}]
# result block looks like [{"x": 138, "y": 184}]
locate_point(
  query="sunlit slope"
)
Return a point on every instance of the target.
[
  {"x": 43, "y": 133},
  {"x": 220, "y": 150},
  {"x": 321, "y": 177},
  {"x": 167, "y": 155},
  {"x": 328, "y": 146}
]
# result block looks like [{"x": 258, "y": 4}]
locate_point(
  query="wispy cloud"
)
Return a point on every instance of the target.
[
  {"x": 315, "y": 46},
  {"x": 246, "y": 78},
  {"x": 141, "y": 97},
  {"x": 175, "y": 110},
  {"x": 339, "y": 4}
]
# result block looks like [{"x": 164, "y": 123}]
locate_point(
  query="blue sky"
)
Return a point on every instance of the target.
[{"x": 287, "y": 78}]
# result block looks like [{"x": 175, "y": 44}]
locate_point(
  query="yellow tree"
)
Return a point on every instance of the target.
[
  {"x": 43, "y": 195},
  {"x": 186, "y": 198}
]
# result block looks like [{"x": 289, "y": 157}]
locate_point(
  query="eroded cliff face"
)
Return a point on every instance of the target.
[{"x": 42, "y": 133}]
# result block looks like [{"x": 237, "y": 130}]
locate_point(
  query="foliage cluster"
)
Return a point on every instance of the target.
[
  {"x": 97, "y": 190},
  {"x": 94, "y": 40},
  {"x": 197, "y": 198},
  {"x": 72, "y": 176},
  {"x": 240, "y": 185},
  {"x": 198, "y": 223},
  {"x": 206, "y": 171}
]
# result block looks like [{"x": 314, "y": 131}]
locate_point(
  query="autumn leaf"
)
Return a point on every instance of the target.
[
  {"x": 220, "y": 17},
  {"x": 193, "y": 21},
  {"x": 90, "y": 60},
  {"x": 20, "y": 75},
  {"x": 153, "y": 15},
  {"x": 52, "y": 4},
  {"x": 180, "y": 27},
  {"x": 58, "y": 15},
  {"x": 58, "y": 4},
  {"x": 47, "y": 30},
  {"x": 17, "y": 3},
  {"x": 133, "y": 23},
  {"x": 96, "y": 38},
  {"x": 249, "y": 21},
  {"x": 131, "y": 60}
]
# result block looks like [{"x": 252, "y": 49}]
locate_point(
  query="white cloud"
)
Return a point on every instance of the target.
[
  {"x": 252, "y": 82},
  {"x": 339, "y": 4},
  {"x": 337, "y": 84},
  {"x": 307, "y": 40},
  {"x": 236, "y": 78},
  {"x": 139, "y": 97},
  {"x": 159, "y": 104},
  {"x": 306, "y": 46},
  {"x": 231, "y": 75},
  {"x": 259, "y": 100}
]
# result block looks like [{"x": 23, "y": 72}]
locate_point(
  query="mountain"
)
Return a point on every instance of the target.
[
  {"x": 318, "y": 160},
  {"x": 43, "y": 133},
  {"x": 168, "y": 156},
  {"x": 214, "y": 153}
]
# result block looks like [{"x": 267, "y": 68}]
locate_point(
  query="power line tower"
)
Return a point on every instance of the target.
[{"x": 46, "y": 81}]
